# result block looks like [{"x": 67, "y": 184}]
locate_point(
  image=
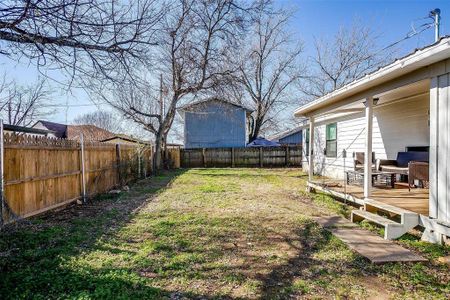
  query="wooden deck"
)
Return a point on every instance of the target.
[{"x": 415, "y": 200}]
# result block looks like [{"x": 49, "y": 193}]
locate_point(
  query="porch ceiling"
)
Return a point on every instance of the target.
[{"x": 403, "y": 93}]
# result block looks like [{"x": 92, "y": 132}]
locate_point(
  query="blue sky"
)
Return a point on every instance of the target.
[
  {"x": 392, "y": 19},
  {"x": 313, "y": 18}
]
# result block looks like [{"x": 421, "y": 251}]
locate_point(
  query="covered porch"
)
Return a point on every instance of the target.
[
  {"x": 377, "y": 128},
  {"x": 391, "y": 129}
]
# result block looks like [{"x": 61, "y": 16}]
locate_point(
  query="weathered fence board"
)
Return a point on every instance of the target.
[
  {"x": 42, "y": 173},
  {"x": 241, "y": 157}
]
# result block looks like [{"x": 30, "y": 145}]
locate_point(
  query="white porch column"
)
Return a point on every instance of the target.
[
  {"x": 368, "y": 149},
  {"x": 434, "y": 141},
  {"x": 310, "y": 150}
]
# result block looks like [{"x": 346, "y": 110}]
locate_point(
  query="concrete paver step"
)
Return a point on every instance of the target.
[{"x": 367, "y": 244}]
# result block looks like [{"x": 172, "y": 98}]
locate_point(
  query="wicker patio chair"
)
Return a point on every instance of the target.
[
  {"x": 358, "y": 161},
  {"x": 418, "y": 171}
]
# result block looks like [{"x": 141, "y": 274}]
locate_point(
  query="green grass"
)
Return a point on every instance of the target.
[{"x": 211, "y": 233}]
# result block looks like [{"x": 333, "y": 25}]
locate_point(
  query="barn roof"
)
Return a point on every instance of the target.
[{"x": 193, "y": 105}]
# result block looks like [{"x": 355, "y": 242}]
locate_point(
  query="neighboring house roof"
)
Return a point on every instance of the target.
[
  {"x": 284, "y": 134},
  {"x": 195, "y": 105},
  {"x": 419, "y": 58},
  {"x": 126, "y": 138},
  {"x": 73, "y": 132},
  {"x": 90, "y": 133},
  {"x": 262, "y": 142},
  {"x": 23, "y": 129},
  {"x": 58, "y": 129}
]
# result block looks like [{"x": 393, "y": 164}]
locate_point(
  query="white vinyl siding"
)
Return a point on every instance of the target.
[
  {"x": 395, "y": 127},
  {"x": 439, "y": 150}
]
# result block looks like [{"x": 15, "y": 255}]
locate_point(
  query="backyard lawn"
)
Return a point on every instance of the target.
[{"x": 205, "y": 234}]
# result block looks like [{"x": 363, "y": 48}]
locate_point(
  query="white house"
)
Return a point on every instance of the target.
[{"x": 400, "y": 107}]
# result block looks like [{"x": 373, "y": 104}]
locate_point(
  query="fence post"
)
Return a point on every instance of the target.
[
  {"x": 232, "y": 157},
  {"x": 119, "y": 176},
  {"x": 260, "y": 157},
  {"x": 2, "y": 184},
  {"x": 204, "y": 157},
  {"x": 139, "y": 164},
  {"x": 83, "y": 173},
  {"x": 145, "y": 161},
  {"x": 288, "y": 158}
]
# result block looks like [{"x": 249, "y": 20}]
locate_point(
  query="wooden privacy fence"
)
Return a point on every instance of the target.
[
  {"x": 40, "y": 173},
  {"x": 242, "y": 157}
]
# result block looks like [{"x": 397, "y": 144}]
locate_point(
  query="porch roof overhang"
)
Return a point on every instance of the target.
[{"x": 420, "y": 58}]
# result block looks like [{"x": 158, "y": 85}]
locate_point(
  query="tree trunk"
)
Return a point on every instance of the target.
[
  {"x": 157, "y": 159},
  {"x": 161, "y": 136},
  {"x": 256, "y": 129}
]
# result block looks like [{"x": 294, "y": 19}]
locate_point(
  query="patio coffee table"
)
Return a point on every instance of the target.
[{"x": 357, "y": 177}]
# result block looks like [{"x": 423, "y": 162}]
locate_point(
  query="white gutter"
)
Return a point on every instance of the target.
[{"x": 419, "y": 59}]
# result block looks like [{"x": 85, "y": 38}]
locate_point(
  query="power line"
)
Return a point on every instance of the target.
[
  {"x": 75, "y": 105},
  {"x": 409, "y": 35}
]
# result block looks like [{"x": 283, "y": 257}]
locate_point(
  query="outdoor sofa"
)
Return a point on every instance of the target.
[{"x": 401, "y": 164}]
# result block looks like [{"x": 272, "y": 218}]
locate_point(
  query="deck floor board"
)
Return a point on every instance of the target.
[{"x": 416, "y": 200}]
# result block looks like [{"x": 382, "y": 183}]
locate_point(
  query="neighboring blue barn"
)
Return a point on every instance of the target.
[
  {"x": 289, "y": 137},
  {"x": 214, "y": 123}
]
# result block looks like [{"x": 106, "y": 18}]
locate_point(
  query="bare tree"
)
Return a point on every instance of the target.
[
  {"x": 269, "y": 66},
  {"x": 103, "y": 119},
  {"x": 23, "y": 105},
  {"x": 351, "y": 54},
  {"x": 193, "y": 49},
  {"x": 81, "y": 37}
]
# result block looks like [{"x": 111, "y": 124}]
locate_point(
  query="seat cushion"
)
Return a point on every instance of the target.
[
  {"x": 361, "y": 166},
  {"x": 394, "y": 169},
  {"x": 403, "y": 158}
]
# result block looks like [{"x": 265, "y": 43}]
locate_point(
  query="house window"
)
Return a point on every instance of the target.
[
  {"x": 331, "y": 143},
  {"x": 307, "y": 142}
]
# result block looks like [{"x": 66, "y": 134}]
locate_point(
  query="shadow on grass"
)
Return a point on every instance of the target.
[
  {"x": 302, "y": 273},
  {"x": 247, "y": 172},
  {"x": 112, "y": 249},
  {"x": 36, "y": 256}
]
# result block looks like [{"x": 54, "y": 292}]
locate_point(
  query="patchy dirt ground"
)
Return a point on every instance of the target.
[{"x": 205, "y": 234}]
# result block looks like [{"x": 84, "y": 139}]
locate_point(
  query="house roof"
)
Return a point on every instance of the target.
[
  {"x": 285, "y": 133},
  {"x": 90, "y": 133},
  {"x": 419, "y": 58},
  {"x": 17, "y": 128},
  {"x": 262, "y": 142},
  {"x": 58, "y": 129},
  {"x": 212, "y": 99},
  {"x": 126, "y": 138}
]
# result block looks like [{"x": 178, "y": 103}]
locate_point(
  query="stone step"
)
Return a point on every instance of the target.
[{"x": 392, "y": 229}]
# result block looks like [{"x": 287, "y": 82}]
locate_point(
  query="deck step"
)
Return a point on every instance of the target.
[
  {"x": 386, "y": 207},
  {"x": 409, "y": 218},
  {"x": 392, "y": 229},
  {"x": 380, "y": 220}
]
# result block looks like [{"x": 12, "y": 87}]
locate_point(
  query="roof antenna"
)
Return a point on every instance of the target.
[{"x": 436, "y": 15}]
